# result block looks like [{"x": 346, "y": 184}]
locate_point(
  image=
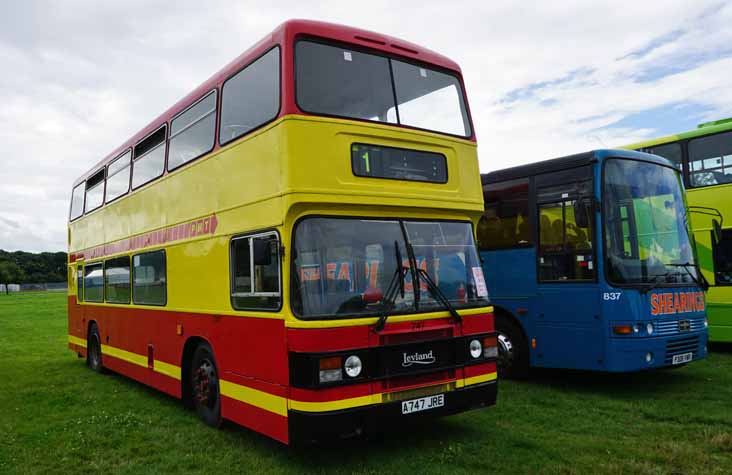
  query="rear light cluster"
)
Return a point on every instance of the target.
[
  {"x": 333, "y": 368},
  {"x": 486, "y": 347}
]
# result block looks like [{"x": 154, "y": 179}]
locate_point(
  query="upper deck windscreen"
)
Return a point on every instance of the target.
[{"x": 341, "y": 82}]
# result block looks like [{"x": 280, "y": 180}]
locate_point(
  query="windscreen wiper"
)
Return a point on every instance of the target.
[
  {"x": 434, "y": 290},
  {"x": 395, "y": 287},
  {"x": 703, "y": 283},
  {"x": 654, "y": 284}
]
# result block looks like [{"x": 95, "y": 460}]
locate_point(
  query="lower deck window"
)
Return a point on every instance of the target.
[
  {"x": 255, "y": 272},
  {"x": 149, "y": 281},
  {"x": 117, "y": 280},
  {"x": 94, "y": 282},
  {"x": 723, "y": 259}
]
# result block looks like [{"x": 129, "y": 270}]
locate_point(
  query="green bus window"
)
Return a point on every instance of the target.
[
  {"x": 149, "y": 281},
  {"x": 117, "y": 280},
  {"x": 722, "y": 252},
  {"x": 710, "y": 160},
  {"x": 669, "y": 151},
  {"x": 505, "y": 222},
  {"x": 94, "y": 282},
  {"x": 255, "y": 272}
]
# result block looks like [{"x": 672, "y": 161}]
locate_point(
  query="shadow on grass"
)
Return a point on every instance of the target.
[{"x": 721, "y": 347}]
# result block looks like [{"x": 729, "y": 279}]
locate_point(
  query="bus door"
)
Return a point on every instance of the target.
[{"x": 568, "y": 328}]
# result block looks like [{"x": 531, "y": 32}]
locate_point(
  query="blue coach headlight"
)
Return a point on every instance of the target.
[{"x": 649, "y": 328}]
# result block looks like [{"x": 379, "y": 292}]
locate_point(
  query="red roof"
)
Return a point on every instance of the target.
[{"x": 284, "y": 35}]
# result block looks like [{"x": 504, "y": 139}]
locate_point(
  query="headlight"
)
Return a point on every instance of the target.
[
  {"x": 353, "y": 366},
  {"x": 476, "y": 349},
  {"x": 330, "y": 369},
  {"x": 706, "y": 323},
  {"x": 649, "y": 328},
  {"x": 636, "y": 328},
  {"x": 649, "y": 357}
]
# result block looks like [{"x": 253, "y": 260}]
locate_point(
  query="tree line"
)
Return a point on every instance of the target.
[{"x": 21, "y": 267}]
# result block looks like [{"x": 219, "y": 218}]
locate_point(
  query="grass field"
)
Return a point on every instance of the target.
[{"x": 58, "y": 416}]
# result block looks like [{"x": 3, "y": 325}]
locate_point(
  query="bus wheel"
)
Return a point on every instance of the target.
[
  {"x": 205, "y": 386},
  {"x": 94, "y": 349},
  {"x": 513, "y": 357}
]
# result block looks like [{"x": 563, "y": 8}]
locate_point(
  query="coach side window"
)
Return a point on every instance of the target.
[
  {"x": 94, "y": 282},
  {"x": 565, "y": 251},
  {"x": 94, "y": 192},
  {"x": 117, "y": 280},
  {"x": 251, "y": 97},
  {"x": 255, "y": 272},
  {"x": 192, "y": 132},
  {"x": 505, "y": 222},
  {"x": 149, "y": 278},
  {"x": 118, "y": 177},
  {"x": 710, "y": 160},
  {"x": 149, "y": 159},
  {"x": 722, "y": 252}
]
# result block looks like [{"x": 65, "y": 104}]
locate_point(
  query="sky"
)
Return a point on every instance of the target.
[{"x": 544, "y": 79}]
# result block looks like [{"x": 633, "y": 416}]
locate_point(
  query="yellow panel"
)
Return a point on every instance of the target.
[
  {"x": 77, "y": 341},
  {"x": 133, "y": 358},
  {"x": 167, "y": 369},
  {"x": 254, "y": 397}
]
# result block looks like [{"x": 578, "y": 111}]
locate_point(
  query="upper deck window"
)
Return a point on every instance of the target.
[
  {"x": 77, "y": 201},
  {"x": 341, "y": 82},
  {"x": 94, "y": 191},
  {"x": 149, "y": 159},
  {"x": 192, "y": 132},
  {"x": 118, "y": 177},
  {"x": 251, "y": 97}
]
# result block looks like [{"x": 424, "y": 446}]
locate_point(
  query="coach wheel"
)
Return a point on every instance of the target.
[
  {"x": 513, "y": 358},
  {"x": 205, "y": 386},
  {"x": 94, "y": 349}
]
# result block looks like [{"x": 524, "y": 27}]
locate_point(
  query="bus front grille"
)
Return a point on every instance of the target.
[
  {"x": 679, "y": 326},
  {"x": 678, "y": 346}
]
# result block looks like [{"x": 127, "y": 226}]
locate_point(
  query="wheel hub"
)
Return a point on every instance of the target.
[
  {"x": 204, "y": 384},
  {"x": 505, "y": 351}
]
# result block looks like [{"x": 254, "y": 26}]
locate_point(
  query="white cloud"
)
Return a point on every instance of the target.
[{"x": 79, "y": 78}]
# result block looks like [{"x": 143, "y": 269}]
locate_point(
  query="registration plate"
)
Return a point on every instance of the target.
[
  {"x": 682, "y": 358},
  {"x": 423, "y": 403}
]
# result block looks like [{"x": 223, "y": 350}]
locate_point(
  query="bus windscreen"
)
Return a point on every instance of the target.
[{"x": 647, "y": 234}]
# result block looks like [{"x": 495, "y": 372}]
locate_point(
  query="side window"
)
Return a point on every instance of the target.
[
  {"x": 77, "y": 201},
  {"x": 669, "y": 151},
  {"x": 149, "y": 159},
  {"x": 79, "y": 284},
  {"x": 192, "y": 132},
  {"x": 118, "y": 177},
  {"x": 94, "y": 192},
  {"x": 255, "y": 272},
  {"x": 722, "y": 252},
  {"x": 117, "y": 280},
  {"x": 566, "y": 221},
  {"x": 505, "y": 222},
  {"x": 710, "y": 160},
  {"x": 251, "y": 97},
  {"x": 149, "y": 282},
  {"x": 94, "y": 282}
]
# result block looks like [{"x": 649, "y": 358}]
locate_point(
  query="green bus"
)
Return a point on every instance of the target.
[{"x": 704, "y": 156}]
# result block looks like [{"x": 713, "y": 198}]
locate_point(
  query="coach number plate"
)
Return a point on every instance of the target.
[
  {"x": 682, "y": 358},
  {"x": 423, "y": 404}
]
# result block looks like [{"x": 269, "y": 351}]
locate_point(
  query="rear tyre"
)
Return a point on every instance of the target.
[
  {"x": 513, "y": 350},
  {"x": 204, "y": 379},
  {"x": 94, "y": 349}
]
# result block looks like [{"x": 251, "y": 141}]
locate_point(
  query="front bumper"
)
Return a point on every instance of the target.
[
  {"x": 306, "y": 427},
  {"x": 625, "y": 355}
]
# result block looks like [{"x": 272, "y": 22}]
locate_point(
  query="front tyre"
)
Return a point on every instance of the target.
[
  {"x": 204, "y": 379},
  {"x": 513, "y": 350}
]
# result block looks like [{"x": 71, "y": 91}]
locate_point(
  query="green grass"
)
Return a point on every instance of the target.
[{"x": 58, "y": 416}]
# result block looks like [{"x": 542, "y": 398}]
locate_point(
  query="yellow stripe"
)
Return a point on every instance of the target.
[
  {"x": 167, "y": 369},
  {"x": 133, "y": 358},
  {"x": 308, "y": 406},
  {"x": 295, "y": 323},
  {"x": 483, "y": 378},
  {"x": 268, "y": 402},
  {"x": 77, "y": 341}
]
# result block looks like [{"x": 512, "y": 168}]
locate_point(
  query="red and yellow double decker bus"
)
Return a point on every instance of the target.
[{"x": 290, "y": 246}]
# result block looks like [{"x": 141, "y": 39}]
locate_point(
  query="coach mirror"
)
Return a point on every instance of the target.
[
  {"x": 581, "y": 212},
  {"x": 264, "y": 247}
]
